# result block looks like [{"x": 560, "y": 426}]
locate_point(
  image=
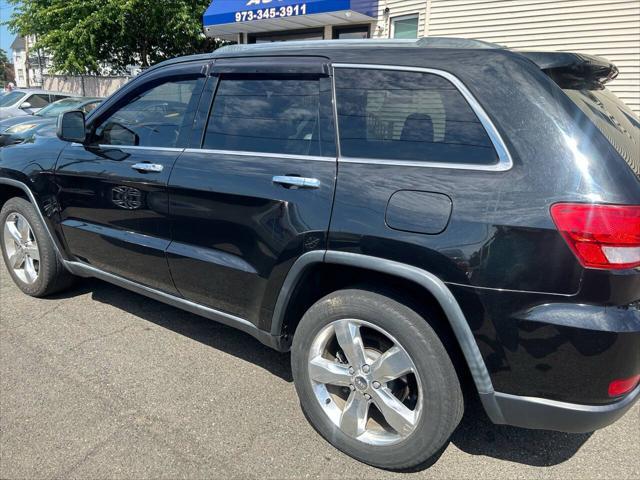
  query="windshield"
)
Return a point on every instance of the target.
[
  {"x": 11, "y": 98},
  {"x": 59, "y": 107},
  {"x": 614, "y": 119}
]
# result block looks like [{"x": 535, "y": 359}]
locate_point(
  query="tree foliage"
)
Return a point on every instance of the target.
[
  {"x": 86, "y": 36},
  {"x": 4, "y": 65}
]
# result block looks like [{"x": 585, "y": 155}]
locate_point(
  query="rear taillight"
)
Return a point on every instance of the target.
[
  {"x": 601, "y": 236},
  {"x": 622, "y": 386}
]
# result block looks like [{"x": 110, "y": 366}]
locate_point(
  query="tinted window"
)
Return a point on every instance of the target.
[
  {"x": 154, "y": 118},
  {"x": 408, "y": 116},
  {"x": 38, "y": 100},
  {"x": 614, "y": 119},
  {"x": 290, "y": 116}
]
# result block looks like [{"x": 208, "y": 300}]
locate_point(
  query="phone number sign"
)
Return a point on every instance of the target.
[{"x": 222, "y": 12}]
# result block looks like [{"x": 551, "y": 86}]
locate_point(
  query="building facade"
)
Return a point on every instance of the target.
[
  {"x": 609, "y": 28},
  {"x": 30, "y": 64}
]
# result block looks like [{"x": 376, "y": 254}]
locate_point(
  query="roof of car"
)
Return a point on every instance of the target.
[
  {"x": 443, "y": 51},
  {"x": 35, "y": 90},
  {"x": 337, "y": 50}
]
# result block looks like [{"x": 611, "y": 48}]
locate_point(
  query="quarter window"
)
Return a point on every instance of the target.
[
  {"x": 272, "y": 115},
  {"x": 154, "y": 118},
  {"x": 398, "y": 115}
]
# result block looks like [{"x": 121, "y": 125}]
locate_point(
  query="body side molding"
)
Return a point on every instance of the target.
[{"x": 84, "y": 270}]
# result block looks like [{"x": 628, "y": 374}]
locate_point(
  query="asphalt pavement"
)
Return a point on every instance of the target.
[{"x": 102, "y": 383}]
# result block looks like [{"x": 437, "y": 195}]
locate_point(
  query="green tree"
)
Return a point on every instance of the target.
[
  {"x": 84, "y": 36},
  {"x": 4, "y": 62}
]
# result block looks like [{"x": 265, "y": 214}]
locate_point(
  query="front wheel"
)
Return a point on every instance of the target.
[
  {"x": 28, "y": 251},
  {"x": 375, "y": 380}
]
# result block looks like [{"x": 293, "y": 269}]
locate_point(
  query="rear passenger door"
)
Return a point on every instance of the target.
[{"x": 255, "y": 190}]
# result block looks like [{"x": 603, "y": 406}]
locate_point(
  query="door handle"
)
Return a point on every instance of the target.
[
  {"x": 299, "y": 182},
  {"x": 148, "y": 167}
]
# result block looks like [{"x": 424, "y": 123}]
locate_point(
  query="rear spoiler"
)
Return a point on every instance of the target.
[{"x": 575, "y": 70}]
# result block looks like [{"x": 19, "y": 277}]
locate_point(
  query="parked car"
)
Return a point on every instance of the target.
[
  {"x": 27, "y": 102},
  {"x": 402, "y": 216},
  {"x": 17, "y": 129}
]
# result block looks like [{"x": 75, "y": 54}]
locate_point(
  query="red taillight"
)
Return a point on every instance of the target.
[
  {"x": 622, "y": 386},
  {"x": 601, "y": 236}
]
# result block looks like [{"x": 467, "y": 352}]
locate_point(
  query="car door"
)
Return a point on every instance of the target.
[
  {"x": 113, "y": 189},
  {"x": 255, "y": 190}
]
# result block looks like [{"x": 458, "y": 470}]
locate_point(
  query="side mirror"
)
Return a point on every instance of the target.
[
  {"x": 25, "y": 106},
  {"x": 71, "y": 127}
]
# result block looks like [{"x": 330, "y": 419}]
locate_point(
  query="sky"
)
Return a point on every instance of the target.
[{"x": 5, "y": 36}]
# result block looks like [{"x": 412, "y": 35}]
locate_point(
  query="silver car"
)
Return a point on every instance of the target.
[{"x": 27, "y": 102}]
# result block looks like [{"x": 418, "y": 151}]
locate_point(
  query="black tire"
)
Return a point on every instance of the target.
[
  {"x": 52, "y": 276},
  {"x": 442, "y": 399}
]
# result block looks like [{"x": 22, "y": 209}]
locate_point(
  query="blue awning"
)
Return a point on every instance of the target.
[{"x": 226, "y": 17}]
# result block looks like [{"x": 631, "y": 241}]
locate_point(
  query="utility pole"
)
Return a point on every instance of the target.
[
  {"x": 40, "y": 64},
  {"x": 26, "y": 61}
]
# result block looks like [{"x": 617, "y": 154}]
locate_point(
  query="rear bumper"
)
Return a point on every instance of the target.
[{"x": 544, "y": 414}]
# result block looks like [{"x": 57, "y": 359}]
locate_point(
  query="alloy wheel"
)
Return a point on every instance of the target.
[
  {"x": 365, "y": 381},
  {"x": 21, "y": 247}
]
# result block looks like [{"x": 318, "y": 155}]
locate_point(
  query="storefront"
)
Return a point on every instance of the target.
[{"x": 257, "y": 21}]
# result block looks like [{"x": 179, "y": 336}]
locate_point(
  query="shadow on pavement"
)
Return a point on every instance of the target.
[
  {"x": 200, "y": 329},
  {"x": 475, "y": 435}
]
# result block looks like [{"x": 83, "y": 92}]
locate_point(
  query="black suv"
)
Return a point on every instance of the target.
[{"x": 400, "y": 215}]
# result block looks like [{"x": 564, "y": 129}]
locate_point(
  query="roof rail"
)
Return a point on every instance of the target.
[{"x": 426, "y": 42}]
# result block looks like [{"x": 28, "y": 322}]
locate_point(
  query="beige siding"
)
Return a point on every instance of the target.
[{"x": 610, "y": 28}]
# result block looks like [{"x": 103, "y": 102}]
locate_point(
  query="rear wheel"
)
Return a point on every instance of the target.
[
  {"x": 375, "y": 380},
  {"x": 28, "y": 251}
]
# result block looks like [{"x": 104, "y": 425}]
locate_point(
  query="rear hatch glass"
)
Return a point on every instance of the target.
[{"x": 614, "y": 119}]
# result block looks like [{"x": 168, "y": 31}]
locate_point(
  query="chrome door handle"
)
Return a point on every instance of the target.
[
  {"x": 299, "y": 182},
  {"x": 148, "y": 167}
]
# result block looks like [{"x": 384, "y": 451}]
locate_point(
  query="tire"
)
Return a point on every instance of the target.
[
  {"x": 51, "y": 276},
  {"x": 439, "y": 400}
]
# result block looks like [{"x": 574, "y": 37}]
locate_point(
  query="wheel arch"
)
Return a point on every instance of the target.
[
  {"x": 451, "y": 309},
  {"x": 9, "y": 186}
]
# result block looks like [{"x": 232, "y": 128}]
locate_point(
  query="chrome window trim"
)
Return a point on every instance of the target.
[
  {"x": 240, "y": 153},
  {"x": 505, "y": 162},
  {"x": 134, "y": 147}
]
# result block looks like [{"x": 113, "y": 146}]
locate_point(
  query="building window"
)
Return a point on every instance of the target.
[
  {"x": 405, "y": 27},
  {"x": 351, "y": 32},
  {"x": 308, "y": 34}
]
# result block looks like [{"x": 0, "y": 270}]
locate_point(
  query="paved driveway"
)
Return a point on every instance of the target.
[{"x": 103, "y": 383}]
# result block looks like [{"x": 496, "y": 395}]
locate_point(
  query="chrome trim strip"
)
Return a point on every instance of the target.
[
  {"x": 134, "y": 147},
  {"x": 505, "y": 161},
  {"x": 334, "y": 101},
  {"x": 260, "y": 154}
]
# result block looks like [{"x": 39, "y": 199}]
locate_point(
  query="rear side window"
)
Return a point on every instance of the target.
[
  {"x": 614, "y": 119},
  {"x": 272, "y": 115},
  {"x": 398, "y": 115}
]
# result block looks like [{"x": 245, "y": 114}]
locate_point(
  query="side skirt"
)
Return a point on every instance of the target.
[{"x": 83, "y": 270}]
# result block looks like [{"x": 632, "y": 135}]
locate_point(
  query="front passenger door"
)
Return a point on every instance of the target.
[{"x": 113, "y": 189}]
